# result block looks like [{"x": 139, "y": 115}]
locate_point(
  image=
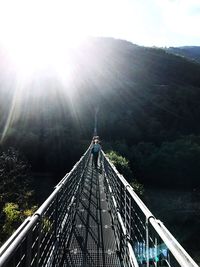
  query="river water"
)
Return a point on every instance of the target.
[{"x": 179, "y": 210}]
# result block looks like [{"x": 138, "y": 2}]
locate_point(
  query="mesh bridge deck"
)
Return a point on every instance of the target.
[
  {"x": 79, "y": 225},
  {"x": 92, "y": 240}
]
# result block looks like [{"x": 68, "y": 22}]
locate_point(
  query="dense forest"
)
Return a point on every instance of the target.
[
  {"x": 148, "y": 101},
  {"x": 190, "y": 52},
  {"x": 148, "y": 104}
]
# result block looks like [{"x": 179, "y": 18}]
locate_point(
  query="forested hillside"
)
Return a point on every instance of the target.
[
  {"x": 190, "y": 52},
  {"x": 148, "y": 104}
]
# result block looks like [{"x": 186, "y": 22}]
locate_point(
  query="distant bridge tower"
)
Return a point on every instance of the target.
[{"x": 95, "y": 120}]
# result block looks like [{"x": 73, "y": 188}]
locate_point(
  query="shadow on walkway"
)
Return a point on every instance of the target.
[{"x": 92, "y": 240}]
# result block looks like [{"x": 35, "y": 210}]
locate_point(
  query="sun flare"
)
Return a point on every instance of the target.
[{"x": 40, "y": 35}]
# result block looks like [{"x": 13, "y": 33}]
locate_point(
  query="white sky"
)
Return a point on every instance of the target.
[
  {"x": 151, "y": 22},
  {"x": 144, "y": 22}
]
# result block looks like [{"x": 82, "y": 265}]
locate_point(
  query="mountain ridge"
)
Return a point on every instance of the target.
[
  {"x": 190, "y": 52},
  {"x": 143, "y": 94}
]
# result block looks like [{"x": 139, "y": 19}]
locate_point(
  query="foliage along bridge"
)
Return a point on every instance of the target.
[{"x": 93, "y": 218}]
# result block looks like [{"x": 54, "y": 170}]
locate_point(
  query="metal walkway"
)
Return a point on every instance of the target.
[
  {"x": 92, "y": 240},
  {"x": 93, "y": 218}
]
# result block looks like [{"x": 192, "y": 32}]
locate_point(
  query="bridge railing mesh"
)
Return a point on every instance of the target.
[
  {"x": 40, "y": 240},
  {"x": 142, "y": 240}
]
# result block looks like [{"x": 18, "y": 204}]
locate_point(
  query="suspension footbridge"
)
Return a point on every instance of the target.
[{"x": 93, "y": 218}]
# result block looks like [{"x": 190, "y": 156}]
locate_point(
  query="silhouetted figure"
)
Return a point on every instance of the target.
[
  {"x": 95, "y": 151},
  {"x": 96, "y": 137}
]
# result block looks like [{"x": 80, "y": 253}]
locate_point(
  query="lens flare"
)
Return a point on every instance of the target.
[{"x": 39, "y": 35}]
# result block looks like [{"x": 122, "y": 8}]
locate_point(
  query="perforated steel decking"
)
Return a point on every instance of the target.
[{"x": 92, "y": 240}]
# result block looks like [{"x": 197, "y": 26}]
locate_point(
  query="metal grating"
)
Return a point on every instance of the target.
[
  {"x": 92, "y": 240},
  {"x": 80, "y": 225}
]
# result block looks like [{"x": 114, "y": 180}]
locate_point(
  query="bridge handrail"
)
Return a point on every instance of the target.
[
  {"x": 177, "y": 250},
  {"x": 44, "y": 206},
  {"x": 135, "y": 204},
  {"x": 129, "y": 188},
  {"x": 182, "y": 257},
  {"x": 14, "y": 235},
  {"x": 132, "y": 258},
  {"x": 11, "y": 245}
]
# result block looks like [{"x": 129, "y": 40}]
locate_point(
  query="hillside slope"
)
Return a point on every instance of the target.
[
  {"x": 149, "y": 112},
  {"x": 143, "y": 95},
  {"x": 190, "y": 52}
]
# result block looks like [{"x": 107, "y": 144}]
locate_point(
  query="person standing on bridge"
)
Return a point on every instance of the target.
[{"x": 95, "y": 151}]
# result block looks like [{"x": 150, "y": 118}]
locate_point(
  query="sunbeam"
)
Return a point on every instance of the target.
[
  {"x": 14, "y": 111},
  {"x": 39, "y": 36}
]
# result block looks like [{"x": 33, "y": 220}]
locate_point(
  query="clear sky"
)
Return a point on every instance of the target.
[{"x": 144, "y": 22}]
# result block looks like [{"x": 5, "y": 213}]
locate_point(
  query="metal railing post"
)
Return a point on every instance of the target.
[
  {"x": 28, "y": 249},
  {"x": 156, "y": 251},
  {"x": 56, "y": 236},
  {"x": 121, "y": 233},
  {"x": 56, "y": 216},
  {"x": 147, "y": 241},
  {"x": 39, "y": 241}
]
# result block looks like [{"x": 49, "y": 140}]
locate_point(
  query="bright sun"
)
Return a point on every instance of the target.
[
  {"x": 38, "y": 35},
  {"x": 38, "y": 38}
]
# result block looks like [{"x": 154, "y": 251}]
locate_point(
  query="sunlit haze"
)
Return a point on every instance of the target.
[
  {"x": 37, "y": 38},
  {"x": 39, "y": 34}
]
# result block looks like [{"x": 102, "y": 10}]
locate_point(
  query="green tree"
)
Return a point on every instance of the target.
[
  {"x": 175, "y": 163},
  {"x": 15, "y": 178},
  {"x": 122, "y": 165},
  {"x": 16, "y": 195},
  {"x": 12, "y": 218}
]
